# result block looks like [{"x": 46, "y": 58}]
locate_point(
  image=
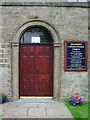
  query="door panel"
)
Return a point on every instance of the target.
[
  {"x": 25, "y": 85},
  {"x": 25, "y": 60},
  {"x": 36, "y": 70},
  {"x": 31, "y": 64}
]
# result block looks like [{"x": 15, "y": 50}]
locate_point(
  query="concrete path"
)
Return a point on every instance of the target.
[{"x": 35, "y": 108}]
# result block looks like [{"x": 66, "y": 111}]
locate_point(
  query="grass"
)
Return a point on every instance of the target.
[
  {"x": 1, "y": 116},
  {"x": 79, "y": 111}
]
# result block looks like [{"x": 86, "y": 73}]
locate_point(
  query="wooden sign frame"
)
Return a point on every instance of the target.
[{"x": 75, "y": 55}]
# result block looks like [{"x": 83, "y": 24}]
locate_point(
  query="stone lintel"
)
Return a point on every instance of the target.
[{"x": 49, "y": 4}]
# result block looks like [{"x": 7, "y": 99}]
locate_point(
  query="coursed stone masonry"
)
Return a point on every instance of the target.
[{"x": 70, "y": 21}]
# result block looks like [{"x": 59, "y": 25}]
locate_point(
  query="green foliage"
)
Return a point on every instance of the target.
[
  {"x": 2, "y": 95},
  {"x": 1, "y": 116},
  {"x": 79, "y": 111}
]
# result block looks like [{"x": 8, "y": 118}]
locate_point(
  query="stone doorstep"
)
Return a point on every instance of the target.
[
  {"x": 16, "y": 112},
  {"x": 12, "y": 105},
  {"x": 58, "y": 116},
  {"x": 35, "y": 105},
  {"x": 58, "y": 111},
  {"x": 37, "y": 112},
  {"x": 28, "y": 105},
  {"x": 1, "y": 109},
  {"x": 52, "y": 105}
]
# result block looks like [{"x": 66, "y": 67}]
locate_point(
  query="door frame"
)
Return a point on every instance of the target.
[{"x": 57, "y": 57}]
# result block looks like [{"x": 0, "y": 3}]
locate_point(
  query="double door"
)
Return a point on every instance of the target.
[{"x": 36, "y": 70}]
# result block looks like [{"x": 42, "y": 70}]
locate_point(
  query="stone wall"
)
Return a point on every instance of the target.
[
  {"x": 75, "y": 28},
  {"x": 89, "y": 50},
  {"x": 0, "y": 48},
  {"x": 71, "y": 23}
]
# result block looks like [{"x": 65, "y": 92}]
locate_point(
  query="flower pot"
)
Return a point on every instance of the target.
[
  {"x": 5, "y": 99},
  {"x": 73, "y": 102},
  {"x": 1, "y": 100}
]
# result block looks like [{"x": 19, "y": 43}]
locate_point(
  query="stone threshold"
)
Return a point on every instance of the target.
[{"x": 36, "y": 97}]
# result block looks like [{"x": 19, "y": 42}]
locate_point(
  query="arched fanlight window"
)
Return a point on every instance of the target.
[{"x": 36, "y": 35}]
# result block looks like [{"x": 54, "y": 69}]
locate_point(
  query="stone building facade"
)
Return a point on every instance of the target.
[{"x": 65, "y": 21}]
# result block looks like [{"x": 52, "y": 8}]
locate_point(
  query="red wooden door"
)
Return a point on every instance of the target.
[{"x": 36, "y": 70}]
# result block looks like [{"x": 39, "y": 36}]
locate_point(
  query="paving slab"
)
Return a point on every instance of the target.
[
  {"x": 30, "y": 105},
  {"x": 10, "y": 117},
  {"x": 0, "y": 109},
  {"x": 37, "y": 108},
  {"x": 52, "y": 105},
  {"x": 16, "y": 111},
  {"x": 12, "y": 105},
  {"x": 37, "y": 111},
  {"x": 57, "y": 111},
  {"x": 56, "y": 117},
  {"x": 4, "y": 106},
  {"x": 19, "y": 116}
]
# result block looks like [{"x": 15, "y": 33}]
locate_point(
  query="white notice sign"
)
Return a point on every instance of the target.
[{"x": 35, "y": 40}]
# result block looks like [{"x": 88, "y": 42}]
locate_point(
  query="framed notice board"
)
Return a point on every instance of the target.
[{"x": 75, "y": 55}]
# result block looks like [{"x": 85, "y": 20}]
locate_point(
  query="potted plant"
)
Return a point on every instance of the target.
[
  {"x": 3, "y": 97},
  {"x": 76, "y": 99}
]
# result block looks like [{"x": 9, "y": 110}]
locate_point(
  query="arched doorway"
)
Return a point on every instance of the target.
[
  {"x": 56, "y": 62},
  {"x": 36, "y": 62}
]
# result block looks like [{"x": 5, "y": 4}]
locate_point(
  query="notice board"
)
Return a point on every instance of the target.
[{"x": 75, "y": 55}]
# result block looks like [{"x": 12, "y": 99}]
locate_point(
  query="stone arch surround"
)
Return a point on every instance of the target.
[{"x": 15, "y": 57}]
